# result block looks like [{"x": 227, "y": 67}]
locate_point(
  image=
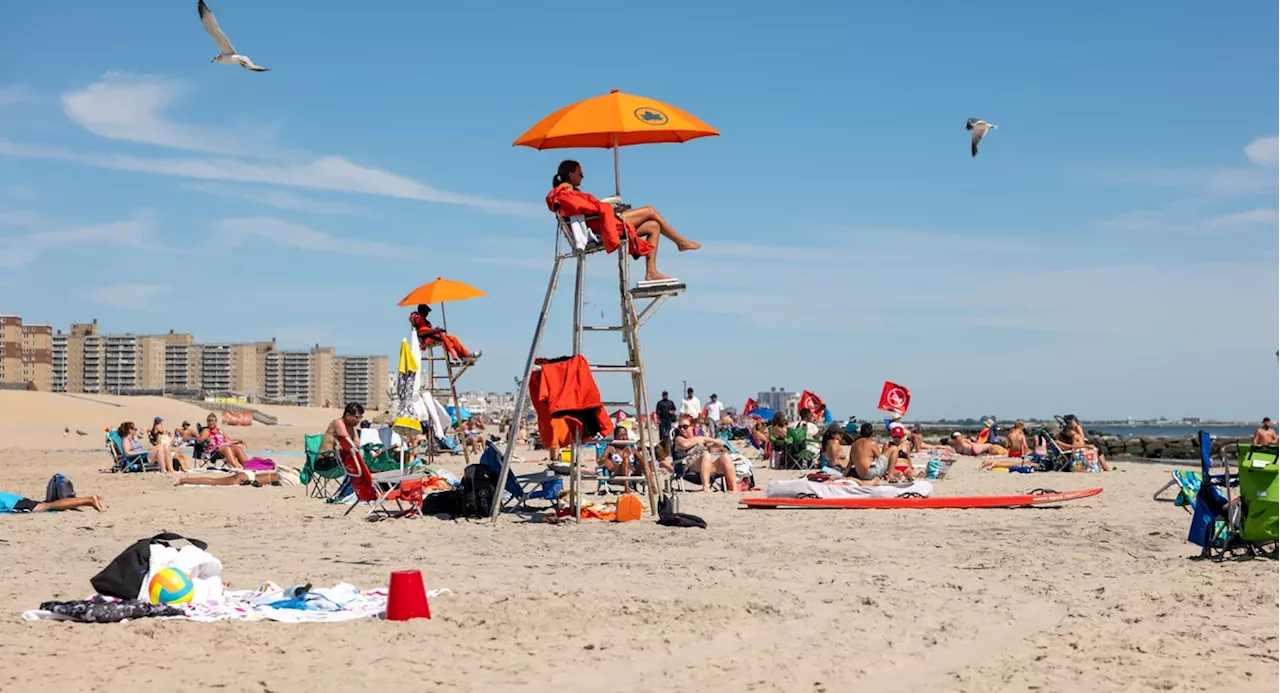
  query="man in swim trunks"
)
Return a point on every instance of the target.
[
  {"x": 1018, "y": 440},
  {"x": 347, "y": 426},
  {"x": 1265, "y": 435},
  {"x": 865, "y": 459}
]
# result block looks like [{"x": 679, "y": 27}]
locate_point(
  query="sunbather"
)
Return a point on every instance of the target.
[
  {"x": 834, "y": 459},
  {"x": 233, "y": 479},
  {"x": 643, "y": 224},
  {"x": 866, "y": 459},
  {"x": 965, "y": 446},
  {"x": 14, "y": 503},
  {"x": 704, "y": 456},
  {"x": 346, "y": 426},
  {"x": 473, "y": 435},
  {"x": 1265, "y": 435},
  {"x": 1072, "y": 438},
  {"x": 898, "y": 452},
  {"x": 161, "y": 445},
  {"x": 128, "y": 442},
  {"x": 1018, "y": 444},
  {"x": 918, "y": 442},
  {"x": 429, "y": 335},
  {"x": 214, "y": 439}
]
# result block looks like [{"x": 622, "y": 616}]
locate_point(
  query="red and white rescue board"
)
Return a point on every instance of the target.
[{"x": 922, "y": 503}]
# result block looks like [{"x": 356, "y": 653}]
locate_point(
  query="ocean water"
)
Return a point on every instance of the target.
[{"x": 1180, "y": 431}]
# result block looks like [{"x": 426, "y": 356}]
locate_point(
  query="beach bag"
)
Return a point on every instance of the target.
[
  {"x": 667, "y": 516},
  {"x": 479, "y": 483},
  {"x": 443, "y": 503},
  {"x": 125, "y": 575},
  {"x": 58, "y": 488},
  {"x": 202, "y": 567}
]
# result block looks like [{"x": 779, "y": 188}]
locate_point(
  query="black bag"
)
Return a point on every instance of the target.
[
  {"x": 123, "y": 576},
  {"x": 443, "y": 503},
  {"x": 58, "y": 488},
  {"x": 667, "y": 516},
  {"x": 479, "y": 484}
]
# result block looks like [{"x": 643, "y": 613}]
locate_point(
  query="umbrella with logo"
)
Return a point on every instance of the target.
[
  {"x": 614, "y": 120},
  {"x": 440, "y": 291}
]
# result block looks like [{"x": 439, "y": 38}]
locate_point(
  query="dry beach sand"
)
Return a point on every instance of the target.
[{"x": 1097, "y": 595}]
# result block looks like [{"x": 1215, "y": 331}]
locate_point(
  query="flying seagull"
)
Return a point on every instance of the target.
[
  {"x": 227, "y": 54},
  {"x": 979, "y": 128}
]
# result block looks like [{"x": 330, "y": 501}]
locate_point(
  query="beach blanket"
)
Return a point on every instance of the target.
[{"x": 803, "y": 488}]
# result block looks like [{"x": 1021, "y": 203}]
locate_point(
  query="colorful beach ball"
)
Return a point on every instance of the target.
[{"x": 171, "y": 586}]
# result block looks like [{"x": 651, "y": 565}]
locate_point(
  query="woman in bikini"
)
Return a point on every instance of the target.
[{"x": 648, "y": 223}]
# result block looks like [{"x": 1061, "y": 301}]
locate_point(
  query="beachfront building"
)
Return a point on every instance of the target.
[
  {"x": 491, "y": 405},
  {"x": 238, "y": 369},
  {"x": 69, "y": 357},
  {"x": 26, "y": 353},
  {"x": 305, "y": 377},
  {"x": 780, "y": 400},
  {"x": 363, "y": 379}
]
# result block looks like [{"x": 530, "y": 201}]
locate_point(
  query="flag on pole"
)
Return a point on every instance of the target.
[
  {"x": 810, "y": 401},
  {"x": 894, "y": 398}
]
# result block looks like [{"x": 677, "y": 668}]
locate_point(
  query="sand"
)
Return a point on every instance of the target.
[{"x": 1098, "y": 595}]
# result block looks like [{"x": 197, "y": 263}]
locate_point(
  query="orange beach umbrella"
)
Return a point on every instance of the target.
[
  {"x": 440, "y": 291},
  {"x": 614, "y": 120}
]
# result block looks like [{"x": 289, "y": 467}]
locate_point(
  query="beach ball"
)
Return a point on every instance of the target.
[{"x": 171, "y": 586}]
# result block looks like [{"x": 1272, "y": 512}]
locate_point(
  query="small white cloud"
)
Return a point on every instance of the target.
[
  {"x": 1264, "y": 151},
  {"x": 1253, "y": 217},
  {"x": 276, "y": 198},
  {"x": 18, "y": 251},
  {"x": 14, "y": 94},
  {"x": 131, "y": 107},
  {"x": 236, "y": 232},
  {"x": 1170, "y": 221},
  {"x": 129, "y": 296}
]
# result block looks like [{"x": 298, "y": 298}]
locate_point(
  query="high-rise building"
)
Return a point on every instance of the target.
[
  {"x": 363, "y": 379},
  {"x": 230, "y": 369},
  {"x": 26, "y": 353},
  {"x": 779, "y": 400},
  {"x": 181, "y": 362},
  {"x": 306, "y": 377}
]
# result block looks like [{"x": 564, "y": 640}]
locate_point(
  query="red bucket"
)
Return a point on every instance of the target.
[{"x": 407, "y": 596}]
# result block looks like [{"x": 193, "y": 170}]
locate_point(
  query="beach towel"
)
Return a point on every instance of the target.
[{"x": 803, "y": 488}]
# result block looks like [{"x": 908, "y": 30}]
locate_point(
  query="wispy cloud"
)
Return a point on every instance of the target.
[
  {"x": 237, "y": 232},
  {"x": 14, "y": 94},
  {"x": 18, "y": 251},
  {"x": 130, "y": 107},
  {"x": 1241, "y": 181},
  {"x": 276, "y": 198},
  {"x": 1264, "y": 151},
  {"x": 129, "y": 296},
  {"x": 1178, "y": 221}
]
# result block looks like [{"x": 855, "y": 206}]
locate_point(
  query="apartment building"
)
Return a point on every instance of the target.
[
  {"x": 26, "y": 353},
  {"x": 307, "y": 377},
  {"x": 780, "y": 400},
  {"x": 234, "y": 368},
  {"x": 181, "y": 362},
  {"x": 363, "y": 379}
]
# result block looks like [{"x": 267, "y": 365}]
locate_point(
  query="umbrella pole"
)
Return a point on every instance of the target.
[
  {"x": 617, "y": 180},
  {"x": 453, "y": 388}
]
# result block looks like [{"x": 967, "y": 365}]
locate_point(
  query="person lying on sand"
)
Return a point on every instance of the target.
[
  {"x": 14, "y": 503},
  {"x": 233, "y": 479},
  {"x": 965, "y": 446},
  {"x": 918, "y": 443}
]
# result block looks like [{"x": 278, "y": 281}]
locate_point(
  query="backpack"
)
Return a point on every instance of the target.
[
  {"x": 443, "y": 503},
  {"x": 58, "y": 488},
  {"x": 479, "y": 484},
  {"x": 123, "y": 576}
]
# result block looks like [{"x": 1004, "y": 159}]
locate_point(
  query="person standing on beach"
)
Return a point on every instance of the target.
[
  {"x": 691, "y": 406},
  {"x": 1265, "y": 435},
  {"x": 715, "y": 409},
  {"x": 666, "y": 411}
]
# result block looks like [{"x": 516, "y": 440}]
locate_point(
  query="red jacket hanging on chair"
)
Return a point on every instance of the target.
[
  {"x": 568, "y": 201},
  {"x": 429, "y": 335},
  {"x": 563, "y": 388}
]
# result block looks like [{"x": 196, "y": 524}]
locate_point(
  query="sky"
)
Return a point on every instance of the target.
[{"x": 1111, "y": 252}]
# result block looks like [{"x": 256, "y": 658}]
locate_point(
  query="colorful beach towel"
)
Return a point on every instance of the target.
[{"x": 803, "y": 488}]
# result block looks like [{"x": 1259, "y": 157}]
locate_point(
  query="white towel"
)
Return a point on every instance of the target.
[
  {"x": 796, "y": 488},
  {"x": 580, "y": 235}
]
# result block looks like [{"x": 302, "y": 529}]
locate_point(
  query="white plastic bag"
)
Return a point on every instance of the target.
[{"x": 204, "y": 569}]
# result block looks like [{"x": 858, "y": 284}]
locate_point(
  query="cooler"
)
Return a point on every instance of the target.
[{"x": 1259, "y": 492}]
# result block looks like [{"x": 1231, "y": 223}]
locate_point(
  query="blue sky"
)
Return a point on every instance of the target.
[{"x": 1112, "y": 251}]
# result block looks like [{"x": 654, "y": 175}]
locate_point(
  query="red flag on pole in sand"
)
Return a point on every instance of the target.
[
  {"x": 749, "y": 406},
  {"x": 810, "y": 401},
  {"x": 894, "y": 398}
]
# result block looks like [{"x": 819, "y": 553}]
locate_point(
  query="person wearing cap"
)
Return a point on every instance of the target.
[
  {"x": 1265, "y": 435},
  {"x": 898, "y": 452},
  {"x": 429, "y": 335},
  {"x": 185, "y": 435}
]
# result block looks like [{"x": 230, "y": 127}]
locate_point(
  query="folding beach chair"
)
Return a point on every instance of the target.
[
  {"x": 1241, "y": 523},
  {"x": 120, "y": 462},
  {"x": 379, "y": 490},
  {"x": 793, "y": 452},
  {"x": 545, "y": 485},
  {"x": 319, "y": 478},
  {"x": 675, "y": 483}
]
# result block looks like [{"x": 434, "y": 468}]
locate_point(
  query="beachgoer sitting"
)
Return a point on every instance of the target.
[
  {"x": 759, "y": 434},
  {"x": 866, "y": 461},
  {"x": 1072, "y": 438},
  {"x": 1019, "y": 446},
  {"x": 473, "y": 434},
  {"x": 643, "y": 225},
  {"x": 429, "y": 335},
  {"x": 161, "y": 445},
  {"x": 812, "y": 443},
  {"x": 703, "y": 456},
  {"x": 898, "y": 452},
  {"x": 185, "y": 435},
  {"x": 216, "y": 441},
  {"x": 128, "y": 442},
  {"x": 14, "y": 503},
  {"x": 834, "y": 460},
  {"x": 1265, "y": 435},
  {"x": 346, "y": 426}
]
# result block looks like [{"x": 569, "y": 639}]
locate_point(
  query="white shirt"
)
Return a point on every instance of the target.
[
  {"x": 714, "y": 410},
  {"x": 692, "y": 407}
]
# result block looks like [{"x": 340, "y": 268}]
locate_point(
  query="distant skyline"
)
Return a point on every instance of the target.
[{"x": 1112, "y": 252}]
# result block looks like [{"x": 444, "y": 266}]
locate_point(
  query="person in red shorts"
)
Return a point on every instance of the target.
[{"x": 429, "y": 335}]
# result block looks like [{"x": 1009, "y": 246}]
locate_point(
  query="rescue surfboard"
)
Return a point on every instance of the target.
[{"x": 955, "y": 502}]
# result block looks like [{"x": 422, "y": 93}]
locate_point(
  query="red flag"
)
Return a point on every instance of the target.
[
  {"x": 749, "y": 406},
  {"x": 810, "y": 401},
  {"x": 894, "y": 398}
]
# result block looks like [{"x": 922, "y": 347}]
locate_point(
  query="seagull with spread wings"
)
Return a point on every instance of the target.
[
  {"x": 979, "y": 128},
  {"x": 227, "y": 54}
]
